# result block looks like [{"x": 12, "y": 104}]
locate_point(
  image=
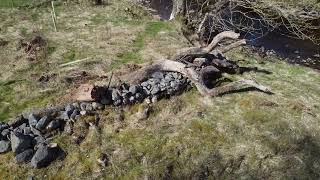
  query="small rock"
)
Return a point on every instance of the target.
[
  {"x": 44, "y": 156},
  {"x": 5, "y": 132},
  {"x": 143, "y": 112},
  {"x": 157, "y": 75},
  {"x": 133, "y": 89},
  {"x": 35, "y": 131},
  {"x": 76, "y": 105},
  {"x": 155, "y": 90},
  {"x": 83, "y": 113},
  {"x": 103, "y": 160},
  {"x": 83, "y": 106},
  {"x": 117, "y": 103},
  {"x": 5, "y": 146},
  {"x": 74, "y": 114},
  {"x": 20, "y": 142},
  {"x": 69, "y": 109},
  {"x": 27, "y": 130},
  {"x": 89, "y": 107},
  {"x": 43, "y": 122},
  {"x": 25, "y": 156},
  {"x": 33, "y": 120},
  {"x": 116, "y": 95},
  {"x": 154, "y": 99},
  {"x": 97, "y": 106},
  {"x": 53, "y": 125},
  {"x": 39, "y": 140}
]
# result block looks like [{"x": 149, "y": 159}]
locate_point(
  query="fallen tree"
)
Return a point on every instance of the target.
[{"x": 201, "y": 65}]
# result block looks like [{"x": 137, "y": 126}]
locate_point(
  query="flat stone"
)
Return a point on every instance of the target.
[
  {"x": 20, "y": 142},
  {"x": 45, "y": 155},
  {"x": 24, "y": 157},
  {"x": 43, "y": 122},
  {"x": 5, "y": 146}
]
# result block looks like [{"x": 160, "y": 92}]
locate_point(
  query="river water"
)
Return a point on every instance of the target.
[{"x": 296, "y": 51}]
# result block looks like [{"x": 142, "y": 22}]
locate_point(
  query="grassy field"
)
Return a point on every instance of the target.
[
  {"x": 14, "y": 3},
  {"x": 249, "y": 134}
]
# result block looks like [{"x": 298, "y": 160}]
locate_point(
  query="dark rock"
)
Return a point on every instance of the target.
[
  {"x": 103, "y": 160},
  {"x": 5, "y": 146},
  {"x": 74, "y": 114},
  {"x": 33, "y": 120},
  {"x": 53, "y": 125},
  {"x": 45, "y": 155},
  {"x": 139, "y": 97},
  {"x": 105, "y": 101},
  {"x": 20, "y": 142},
  {"x": 124, "y": 86},
  {"x": 16, "y": 122},
  {"x": 69, "y": 109},
  {"x": 25, "y": 156},
  {"x": 43, "y": 122}
]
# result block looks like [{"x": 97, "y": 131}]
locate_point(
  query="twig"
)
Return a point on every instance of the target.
[
  {"x": 54, "y": 17},
  {"x": 74, "y": 62}
]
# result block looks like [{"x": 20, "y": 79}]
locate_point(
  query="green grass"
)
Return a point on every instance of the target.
[{"x": 14, "y": 3}]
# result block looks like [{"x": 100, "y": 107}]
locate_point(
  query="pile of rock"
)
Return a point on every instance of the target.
[
  {"x": 158, "y": 85},
  {"x": 27, "y": 136}
]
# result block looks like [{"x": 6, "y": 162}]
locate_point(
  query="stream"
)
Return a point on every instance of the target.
[{"x": 294, "y": 51}]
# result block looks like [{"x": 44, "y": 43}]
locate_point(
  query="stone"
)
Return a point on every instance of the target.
[
  {"x": 144, "y": 84},
  {"x": 43, "y": 122},
  {"x": 35, "y": 131},
  {"x": 157, "y": 75},
  {"x": 83, "y": 106},
  {"x": 133, "y": 89},
  {"x": 74, "y": 114},
  {"x": 5, "y": 132},
  {"x": 155, "y": 90},
  {"x": 69, "y": 109},
  {"x": 117, "y": 103},
  {"x": 45, "y": 155},
  {"x": 16, "y": 122},
  {"x": 89, "y": 107},
  {"x": 200, "y": 61},
  {"x": 20, "y": 142},
  {"x": 76, "y": 105},
  {"x": 64, "y": 115},
  {"x": 83, "y": 113},
  {"x": 24, "y": 157},
  {"x": 27, "y": 130},
  {"x": 97, "y": 106},
  {"x": 39, "y": 140},
  {"x": 139, "y": 97},
  {"x": 32, "y": 119},
  {"x": 154, "y": 99},
  {"x": 53, "y": 125},
  {"x": 5, "y": 146},
  {"x": 115, "y": 95}
]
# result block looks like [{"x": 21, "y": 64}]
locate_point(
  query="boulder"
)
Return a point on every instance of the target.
[
  {"x": 20, "y": 142},
  {"x": 5, "y": 146},
  {"x": 25, "y": 156},
  {"x": 43, "y": 122},
  {"x": 45, "y": 155}
]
